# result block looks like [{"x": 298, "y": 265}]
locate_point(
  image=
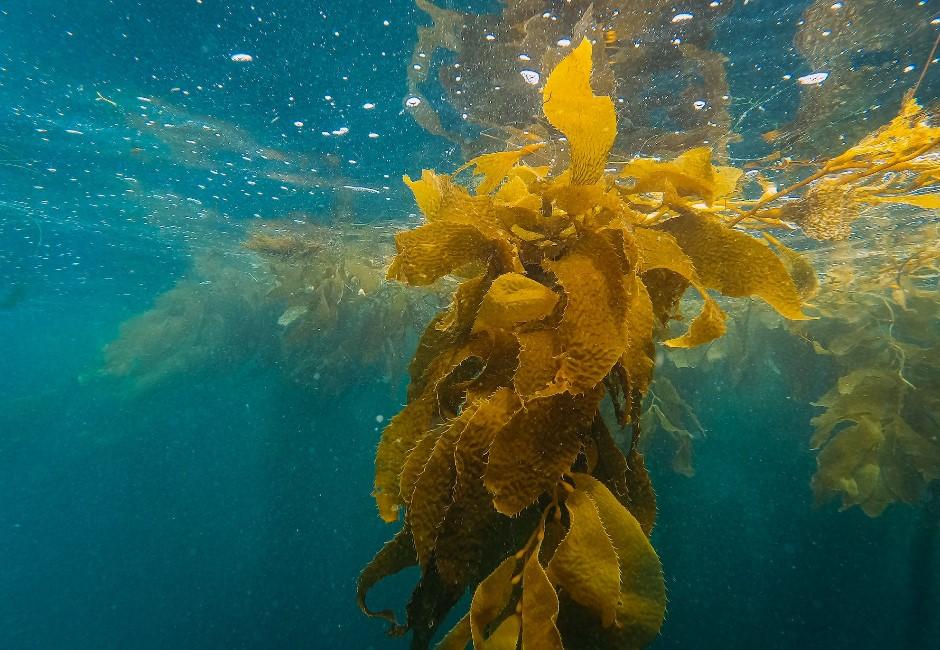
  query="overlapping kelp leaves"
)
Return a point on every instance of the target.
[{"x": 509, "y": 478}]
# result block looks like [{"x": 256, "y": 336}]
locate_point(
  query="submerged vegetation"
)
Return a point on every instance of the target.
[
  {"x": 502, "y": 463},
  {"x": 311, "y": 300},
  {"x": 516, "y": 468}
]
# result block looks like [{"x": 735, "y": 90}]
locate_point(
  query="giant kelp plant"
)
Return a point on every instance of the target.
[
  {"x": 501, "y": 465},
  {"x": 508, "y": 476}
]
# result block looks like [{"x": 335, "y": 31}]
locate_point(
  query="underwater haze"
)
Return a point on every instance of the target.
[{"x": 200, "y": 201}]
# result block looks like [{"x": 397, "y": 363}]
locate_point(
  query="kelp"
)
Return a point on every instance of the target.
[
  {"x": 339, "y": 320},
  {"x": 667, "y": 415},
  {"x": 502, "y": 465},
  {"x": 862, "y": 47},
  {"x": 877, "y": 435},
  {"x": 311, "y": 300},
  {"x": 211, "y": 321},
  {"x": 670, "y": 89},
  {"x": 896, "y": 163}
]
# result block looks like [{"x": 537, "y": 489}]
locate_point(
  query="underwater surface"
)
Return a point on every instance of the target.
[{"x": 199, "y": 204}]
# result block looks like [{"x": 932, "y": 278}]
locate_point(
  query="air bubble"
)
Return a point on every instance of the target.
[
  {"x": 813, "y": 79},
  {"x": 413, "y": 101},
  {"x": 531, "y": 77}
]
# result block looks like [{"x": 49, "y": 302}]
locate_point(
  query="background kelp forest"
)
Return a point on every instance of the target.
[{"x": 201, "y": 348}]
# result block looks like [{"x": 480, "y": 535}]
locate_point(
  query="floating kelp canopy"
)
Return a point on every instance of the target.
[
  {"x": 859, "y": 49},
  {"x": 669, "y": 88}
]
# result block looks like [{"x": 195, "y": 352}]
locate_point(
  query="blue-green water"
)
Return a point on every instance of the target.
[{"x": 231, "y": 508}]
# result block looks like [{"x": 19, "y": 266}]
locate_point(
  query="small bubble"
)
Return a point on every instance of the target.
[
  {"x": 564, "y": 42},
  {"x": 531, "y": 77},
  {"x": 490, "y": 37},
  {"x": 386, "y": 23},
  {"x": 368, "y": 106},
  {"x": 298, "y": 124},
  {"x": 908, "y": 68},
  {"x": 698, "y": 104},
  {"x": 836, "y": 5},
  {"x": 525, "y": 57},
  {"x": 413, "y": 101},
  {"x": 241, "y": 57},
  {"x": 373, "y": 135},
  {"x": 380, "y": 419},
  {"x": 813, "y": 79},
  {"x": 681, "y": 18},
  {"x": 343, "y": 130}
]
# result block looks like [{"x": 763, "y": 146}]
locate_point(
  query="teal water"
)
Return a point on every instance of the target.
[{"x": 231, "y": 506}]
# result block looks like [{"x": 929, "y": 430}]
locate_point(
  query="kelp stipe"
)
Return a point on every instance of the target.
[{"x": 507, "y": 475}]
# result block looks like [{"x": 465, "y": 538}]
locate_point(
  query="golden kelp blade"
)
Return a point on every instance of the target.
[
  {"x": 539, "y": 607},
  {"x": 490, "y": 599},
  {"x": 691, "y": 174},
  {"x": 903, "y": 136},
  {"x": 427, "y": 191},
  {"x": 593, "y": 327},
  {"x": 735, "y": 263},
  {"x": 512, "y": 299},
  {"x": 585, "y": 564},
  {"x": 587, "y": 120},
  {"x": 495, "y": 166},
  {"x": 642, "y": 603}
]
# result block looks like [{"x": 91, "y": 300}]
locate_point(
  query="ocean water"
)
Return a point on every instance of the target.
[{"x": 200, "y": 495}]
